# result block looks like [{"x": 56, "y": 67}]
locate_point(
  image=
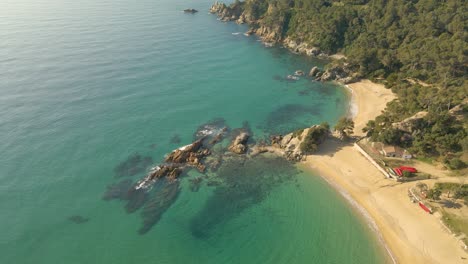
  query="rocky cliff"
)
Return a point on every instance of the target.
[{"x": 274, "y": 31}]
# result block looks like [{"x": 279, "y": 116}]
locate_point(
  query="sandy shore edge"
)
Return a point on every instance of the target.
[{"x": 407, "y": 233}]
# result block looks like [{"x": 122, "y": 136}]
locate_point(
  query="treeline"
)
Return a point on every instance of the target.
[
  {"x": 425, "y": 39},
  {"x": 418, "y": 48}
]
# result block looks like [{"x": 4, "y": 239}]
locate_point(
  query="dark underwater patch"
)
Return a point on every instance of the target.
[
  {"x": 133, "y": 165},
  {"x": 159, "y": 201},
  {"x": 118, "y": 190},
  {"x": 243, "y": 183},
  {"x": 175, "y": 139},
  {"x": 289, "y": 117}
]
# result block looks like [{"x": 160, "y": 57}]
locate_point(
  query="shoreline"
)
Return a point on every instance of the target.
[
  {"x": 364, "y": 214},
  {"x": 408, "y": 234}
]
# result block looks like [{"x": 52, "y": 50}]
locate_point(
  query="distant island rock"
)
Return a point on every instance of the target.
[{"x": 190, "y": 10}]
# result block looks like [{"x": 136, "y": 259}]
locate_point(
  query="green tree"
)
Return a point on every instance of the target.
[
  {"x": 345, "y": 126},
  {"x": 434, "y": 194}
]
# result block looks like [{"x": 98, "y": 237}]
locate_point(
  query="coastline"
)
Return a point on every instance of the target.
[{"x": 407, "y": 233}]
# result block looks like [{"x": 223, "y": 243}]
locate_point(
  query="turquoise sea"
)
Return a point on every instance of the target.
[{"x": 95, "y": 92}]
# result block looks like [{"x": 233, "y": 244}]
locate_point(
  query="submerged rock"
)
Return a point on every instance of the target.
[
  {"x": 241, "y": 183},
  {"x": 157, "y": 205},
  {"x": 195, "y": 184},
  {"x": 133, "y": 165},
  {"x": 136, "y": 199},
  {"x": 190, "y": 10},
  {"x": 118, "y": 190},
  {"x": 175, "y": 139}
]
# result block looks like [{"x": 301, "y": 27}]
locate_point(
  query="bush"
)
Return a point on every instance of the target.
[
  {"x": 456, "y": 164},
  {"x": 434, "y": 194},
  {"x": 407, "y": 174},
  {"x": 314, "y": 137}
]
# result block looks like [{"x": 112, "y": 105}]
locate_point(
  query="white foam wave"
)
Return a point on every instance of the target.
[{"x": 353, "y": 106}]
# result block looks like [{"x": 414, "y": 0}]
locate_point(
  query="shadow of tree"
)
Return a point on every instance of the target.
[
  {"x": 450, "y": 204},
  {"x": 333, "y": 145}
]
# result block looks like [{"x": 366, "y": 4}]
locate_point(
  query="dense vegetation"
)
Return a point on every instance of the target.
[
  {"x": 453, "y": 190},
  {"x": 345, "y": 127},
  {"x": 314, "y": 137},
  {"x": 418, "y": 48}
]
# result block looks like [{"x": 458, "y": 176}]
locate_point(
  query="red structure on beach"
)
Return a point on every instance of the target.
[
  {"x": 399, "y": 170},
  {"x": 425, "y": 208}
]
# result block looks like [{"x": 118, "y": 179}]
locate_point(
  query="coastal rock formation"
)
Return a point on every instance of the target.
[
  {"x": 313, "y": 72},
  {"x": 188, "y": 154},
  {"x": 301, "y": 47},
  {"x": 341, "y": 73},
  {"x": 291, "y": 144},
  {"x": 239, "y": 144},
  {"x": 272, "y": 33},
  {"x": 228, "y": 13},
  {"x": 299, "y": 73}
]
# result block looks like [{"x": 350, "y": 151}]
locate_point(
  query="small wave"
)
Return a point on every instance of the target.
[
  {"x": 353, "y": 106},
  {"x": 236, "y": 33}
]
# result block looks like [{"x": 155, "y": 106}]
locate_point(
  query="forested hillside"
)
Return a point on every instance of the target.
[{"x": 418, "y": 48}]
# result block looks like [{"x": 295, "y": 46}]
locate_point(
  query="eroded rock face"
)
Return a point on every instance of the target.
[
  {"x": 313, "y": 72},
  {"x": 340, "y": 73},
  {"x": 239, "y": 144},
  {"x": 225, "y": 13}
]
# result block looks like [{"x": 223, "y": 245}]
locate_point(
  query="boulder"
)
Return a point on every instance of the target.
[
  {"x": 299, "y": 73},
  {"x": 313, "y": 72},
  {"x": 239, "y": 144}
]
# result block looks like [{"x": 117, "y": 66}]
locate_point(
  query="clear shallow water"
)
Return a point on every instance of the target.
[{"x": 84, "y": 85}]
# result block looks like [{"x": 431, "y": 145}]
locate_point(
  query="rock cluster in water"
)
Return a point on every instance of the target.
[
  {"x": 159, "y": 189},
  {"x": 230, "y": 162},
  {"x": 239, "y": 144}
]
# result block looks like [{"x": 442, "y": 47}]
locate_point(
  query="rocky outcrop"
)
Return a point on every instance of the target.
[
  {"x": 170, "y": 171},
  {"x": 302, "y": 47},
  {"x": 239, "y": 144},
  {"x": 190, "y": 154},
  {"x": 225, "y": 13},
  {"x": 338, "y": 72},
  {"x": 290, "y": 144},
  {"x": 313, "y": 72},
  {"x": 299, "y": 73}
]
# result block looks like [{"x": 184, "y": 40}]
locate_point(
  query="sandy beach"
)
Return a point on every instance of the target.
[{"x": 410, "y": 234}]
